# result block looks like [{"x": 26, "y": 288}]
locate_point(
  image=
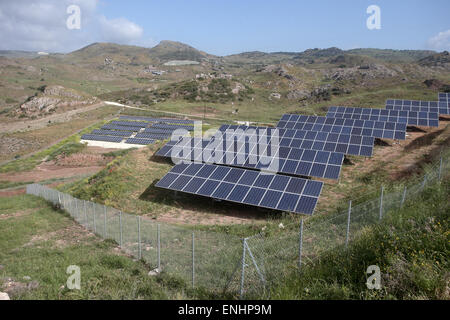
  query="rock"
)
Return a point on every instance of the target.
[
  {"x": 27, "y": 278},
  {"x": 2, "y": 267},
  {"x": 275, "y": 95},
  {"x": 4, "y": 296},
  {"x": 298, "y": 95},
  {"x": 154, "y": 272}
]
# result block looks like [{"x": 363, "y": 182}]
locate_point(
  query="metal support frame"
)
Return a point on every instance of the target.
[
  {"x": 440, "y": 168},
  {"x": 93, "y": 218},
  {"x": 85, "y": 213}
]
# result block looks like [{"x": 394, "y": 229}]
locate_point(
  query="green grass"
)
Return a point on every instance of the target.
[
  {"x": 40, "y": 242},
  {"x": 410, "y": 247}
]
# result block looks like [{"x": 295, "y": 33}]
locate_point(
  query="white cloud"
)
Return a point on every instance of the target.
[
  {"x": 441, "y": 41},
  {"x": 40, "y": 25}
]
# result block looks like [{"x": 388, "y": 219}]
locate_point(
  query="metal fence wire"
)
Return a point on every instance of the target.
[{"x": 225, "y": 263}]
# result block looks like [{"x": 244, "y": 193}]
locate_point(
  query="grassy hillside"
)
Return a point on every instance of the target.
[
  {"x": 411, "y": 247},
  {"x": 38, "y": 243}
]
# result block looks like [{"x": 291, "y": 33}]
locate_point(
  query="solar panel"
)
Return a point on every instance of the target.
[
  {"x": 243, "y": 154},
  {"x": 125, "y": 134},
  {"x": 159, "y": 131},
  {"x": 172, "y": 126},
  {"x": 418, "y": 106},
  {"x": 444, "y": 103},
  {"x": 139, "y": 141},
  {"x": 138, "y": 124},
  {"x": 303, "y": 139},
  {"x": 120, "y": 128},
  {"x": 377, "y": 129},
  {"x": 155, "y": 136},
  {"x": 101, "y": 138},
  {"x": 160, "y": 120},
  {"x": 271, "y": 191},
  {"x": 427, "y": 119}
]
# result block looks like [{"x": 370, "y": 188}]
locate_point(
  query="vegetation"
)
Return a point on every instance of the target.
[{"x": 410, "y": 247}]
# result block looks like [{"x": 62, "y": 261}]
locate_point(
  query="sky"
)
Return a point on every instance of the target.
[{"x": 224, "y": 27}]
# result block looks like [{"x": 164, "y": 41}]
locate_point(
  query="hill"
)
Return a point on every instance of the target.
[{"x": 171, "y": 50}]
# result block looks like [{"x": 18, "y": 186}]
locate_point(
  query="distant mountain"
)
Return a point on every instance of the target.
[
  {"x": 20, "y": 54},
  {"x": 106, "y": 48},
  {"x": 171, "y": 50},
  {"x": 395, "y": 56}
]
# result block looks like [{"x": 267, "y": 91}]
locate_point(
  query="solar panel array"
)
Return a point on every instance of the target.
[
  {"x": 139, "y": 141},
  {"x": 101, "y": 138},
  {"x": 377, "y": 129},
  {"x": 428, "y": 119},
  {"x": 320, "y": 141},
  {"x": 125, "y": 134},
  {"x": 155, "y": 136},
  {"x": 153, "y": 129},
  {"x": 444, "y": 97},
  {"x": 293, "y": 161},
  {"x": 160, "y": 120},
  {"x": 244, "y": 186},
  {"x": 138, "y": 124}
]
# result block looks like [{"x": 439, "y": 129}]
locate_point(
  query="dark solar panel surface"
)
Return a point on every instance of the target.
[
  {"x": 427, "y": 119},
  {"x": 249, "y": 187},
  {"x": 377, "y": 129}
]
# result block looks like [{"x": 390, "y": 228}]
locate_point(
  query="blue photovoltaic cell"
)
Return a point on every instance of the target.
[
  {"x": 444, "y": 103},
  {"x": 293, "y": 161},
  {"x": 120, "y": 128},
  {"x": 124, "y": 134},
  {"x": 130, "y": 123},
  {"x": 157, "y": 120},
  {"x": 440, "y": 107},
  {"x": 377, "y": 129},
  {"x": 263, "y": 190},
  {"x": 303, "y": 139},
  {"x": 427, "y": 119},
  {"x": 95, "y": 137},
  {"x": 139, "y": 141}
]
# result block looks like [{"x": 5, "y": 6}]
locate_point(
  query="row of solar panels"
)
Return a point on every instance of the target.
[
  {"x": 146, "y": 130},
  {"x": 116, "y": 139},
  {"x": 244, "y": 186},
  {"x": 307, "y": 146},
  {"x": 158, "y": 120}
]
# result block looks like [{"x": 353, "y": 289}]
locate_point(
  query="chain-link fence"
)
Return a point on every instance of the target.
[{"x": 225, "y": 263}]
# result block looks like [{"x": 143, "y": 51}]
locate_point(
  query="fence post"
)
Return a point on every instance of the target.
[
  {"x": 403, "y": 197},
  {"x": 424, "y": 182},
  {"x": 104, "y": 221},
  {"x": 85, "y": 213},
  {"x": 76, "y": 213},
  {"x": 120, "y": 227},
  {"x": 440, "y": 168},
  {"x": 93, "y": 213},
  {"x": 347, "y": 236},
  {"x": 159, "y": 248},
  {"x": 300, "y": 245},
  {"x": 381, "y": 203},
  {"x": 139, "y": 237},
  {"x": 244, "y": 245},
  {"x": 193, "y": 260}
]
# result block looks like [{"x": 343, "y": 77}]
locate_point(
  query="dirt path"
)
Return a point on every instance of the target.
[{"x": 43, "y": 122}]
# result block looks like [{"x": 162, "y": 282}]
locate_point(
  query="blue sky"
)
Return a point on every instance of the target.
[{"x": 227, "y": 26}]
